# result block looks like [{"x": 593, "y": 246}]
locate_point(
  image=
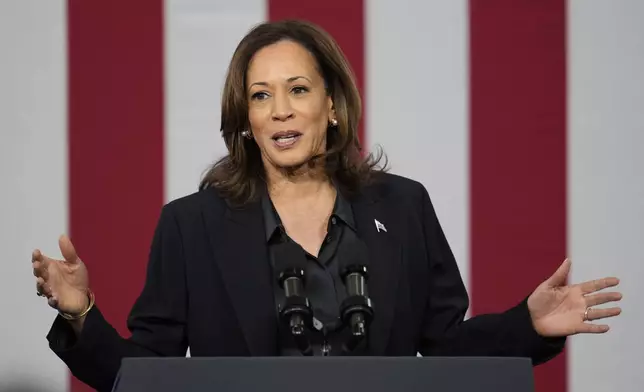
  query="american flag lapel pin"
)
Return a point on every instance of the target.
[{"x": 379, "y": 226}]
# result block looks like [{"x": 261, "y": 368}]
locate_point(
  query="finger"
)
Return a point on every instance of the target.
[
  {"x": 67, "y": 249},
  {"x": 37, "y": 268},
  {"x": 596, "y": 314},
  {"x": 593, "y": 328},
  {"x": 53, "y": 302},
  {"x": 602, "y": 298},
  {"x": 561, "y": 275},
  {"x": 39, "y": 290},
  {"x": 36, "y": 255},
  {"x": 43, "y": 288},
  {"x": 598, "y": 284},
  {"x": 40, "y": 270},
  {"x": 38, "y": 260}
]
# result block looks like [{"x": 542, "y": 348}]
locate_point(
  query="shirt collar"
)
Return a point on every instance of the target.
[{"x": 272, "y": 223}]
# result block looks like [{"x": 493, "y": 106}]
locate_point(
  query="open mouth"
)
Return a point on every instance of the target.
[{"x": 286, "y": 138}]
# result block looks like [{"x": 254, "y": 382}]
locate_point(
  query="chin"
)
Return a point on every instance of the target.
[{"x": 290, "y": 159}]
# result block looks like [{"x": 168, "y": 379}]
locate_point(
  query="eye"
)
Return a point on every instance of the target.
[
  {"x": 259, "y": 96},
  {"x": 299, "y": 90}
]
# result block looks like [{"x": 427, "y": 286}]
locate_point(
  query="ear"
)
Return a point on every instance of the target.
[{"x": 330, "y": 108}]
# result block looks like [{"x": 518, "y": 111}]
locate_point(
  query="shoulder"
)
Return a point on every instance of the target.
[
  {"x": 192, "y": 206},
  {"x": 393, "y": 188}
]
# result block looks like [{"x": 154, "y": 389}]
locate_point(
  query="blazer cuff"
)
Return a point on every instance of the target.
[
  {"x": 62, "y": 338},
  {"x": 537, "y": 347}
]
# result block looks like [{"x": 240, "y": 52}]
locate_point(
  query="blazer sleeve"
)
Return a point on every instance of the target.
[
  {"x": 156, "y": 321},
  {"x": 444, "y": 331}
]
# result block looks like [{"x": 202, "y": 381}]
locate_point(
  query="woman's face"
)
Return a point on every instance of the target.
[{"x": 289, "y": 109}]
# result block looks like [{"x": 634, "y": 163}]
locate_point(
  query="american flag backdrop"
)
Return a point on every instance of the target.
[{"x": 524, "y": 120}]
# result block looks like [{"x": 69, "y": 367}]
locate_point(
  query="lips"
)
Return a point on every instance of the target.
[
  {"x": 285, "y": 139},
  {"x": 286, "y": 134}
]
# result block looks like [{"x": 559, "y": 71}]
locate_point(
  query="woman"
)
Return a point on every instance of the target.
[{"x": 295, "y": 175}]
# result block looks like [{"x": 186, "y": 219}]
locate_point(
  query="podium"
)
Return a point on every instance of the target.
[{"x": 326, "y": 374}]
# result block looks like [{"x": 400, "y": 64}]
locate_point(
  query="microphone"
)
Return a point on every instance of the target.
[
  {"x": 356, "y": 310},
  {"x": 296, "y": 310}
]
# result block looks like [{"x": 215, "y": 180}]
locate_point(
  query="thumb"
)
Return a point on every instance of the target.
[
  {"x": 67, "y": 249},
  {"x": 561, "y": 275}
]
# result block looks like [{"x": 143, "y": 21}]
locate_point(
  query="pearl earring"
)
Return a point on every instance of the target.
[
  {"x": 246, "y": 134},
  {"x": 334, "y": 122}
]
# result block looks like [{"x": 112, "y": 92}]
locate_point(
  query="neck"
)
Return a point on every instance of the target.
[{"x": 298, "y": 184}]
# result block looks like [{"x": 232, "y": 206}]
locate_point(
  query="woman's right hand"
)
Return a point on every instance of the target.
[{"x": 63, "y": 282}]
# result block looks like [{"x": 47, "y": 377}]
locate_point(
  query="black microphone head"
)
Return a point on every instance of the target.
[
  {"x": 289, "y": 259},
  {"x": 354, "y": 257}
]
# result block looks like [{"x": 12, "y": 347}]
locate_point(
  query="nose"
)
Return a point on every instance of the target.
[{"x": 282, "y": 109}]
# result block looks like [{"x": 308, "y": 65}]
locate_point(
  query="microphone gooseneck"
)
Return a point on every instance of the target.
[
  {"x": 356, "y": 310},
  {"x": 295, "y": 311}
]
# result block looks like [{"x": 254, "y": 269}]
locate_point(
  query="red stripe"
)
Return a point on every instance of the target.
[
  {"x": 344, "y": 20},
  {"x": 115, "y": 144},
  {"x": 518, "y": 154}
]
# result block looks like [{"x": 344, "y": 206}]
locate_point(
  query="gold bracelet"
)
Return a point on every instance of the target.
[{"x": 68, "y": 316}]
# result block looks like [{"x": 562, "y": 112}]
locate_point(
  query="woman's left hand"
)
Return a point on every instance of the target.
[{"x": 559, "y": 310}]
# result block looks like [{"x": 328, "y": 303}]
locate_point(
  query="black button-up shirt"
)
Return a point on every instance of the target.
[{"x": 324, "y": 287}]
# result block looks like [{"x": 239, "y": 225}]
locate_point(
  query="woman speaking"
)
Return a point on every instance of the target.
[{"x": 297, "y": 244}]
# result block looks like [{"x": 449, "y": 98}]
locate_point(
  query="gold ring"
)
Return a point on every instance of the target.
[{"x": 586, "y": 314}]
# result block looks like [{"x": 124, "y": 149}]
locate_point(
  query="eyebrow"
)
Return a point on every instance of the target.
[{"x": 289, "y": 80}]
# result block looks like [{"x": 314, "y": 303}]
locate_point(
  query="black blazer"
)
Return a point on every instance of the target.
[{"x": 208, "y": 286}]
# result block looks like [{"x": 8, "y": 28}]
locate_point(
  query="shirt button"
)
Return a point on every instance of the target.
[
  {"x": 333, "y": 220},
  {"x": 328, "y": 238}
]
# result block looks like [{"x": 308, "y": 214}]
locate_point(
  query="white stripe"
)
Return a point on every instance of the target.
[
  {"x": 416, "y": 105},
  {"x": 33, "y": 168},
  {"x": 200, "y": 37},
  {"x": 606, "y": 185}
]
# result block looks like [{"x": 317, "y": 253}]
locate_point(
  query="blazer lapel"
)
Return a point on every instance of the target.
[
  {"x": 376, "y": 227},
  {"x": 239, "y": 246}
]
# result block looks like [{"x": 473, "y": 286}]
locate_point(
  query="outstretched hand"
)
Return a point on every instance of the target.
[
  {"x": 63, "y": 282},
  {"x": 558, "y": 309}
]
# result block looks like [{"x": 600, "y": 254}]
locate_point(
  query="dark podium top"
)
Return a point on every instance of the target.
[{"x": 326, "y": 374}]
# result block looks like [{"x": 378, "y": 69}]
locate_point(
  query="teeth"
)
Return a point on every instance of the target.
[{"x": 285, "y": 138}]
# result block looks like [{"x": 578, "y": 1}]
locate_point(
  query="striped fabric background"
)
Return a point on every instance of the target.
[{"x": 522, "y": 118}]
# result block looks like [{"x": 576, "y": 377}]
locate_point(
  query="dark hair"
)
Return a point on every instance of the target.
[{"x": 240, "y": 174}]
